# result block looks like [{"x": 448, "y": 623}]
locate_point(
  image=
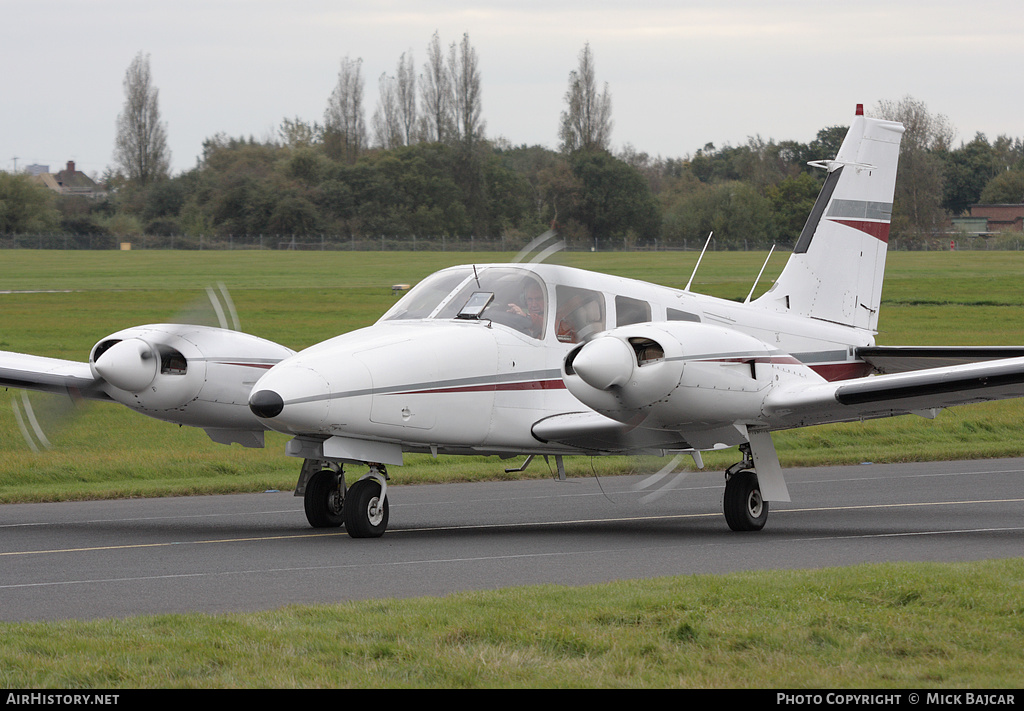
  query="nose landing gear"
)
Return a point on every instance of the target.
[
  {"x": 362, "y": 508},
  {"x": 366, "y": 507},
  {"x": 324, "y": 498}
]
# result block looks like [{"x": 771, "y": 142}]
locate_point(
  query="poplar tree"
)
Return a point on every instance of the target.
[
  {"x": 345, "y": 124},
  {"x": 405, "y": 90},
  {"x": 436, "y": 94},
  {"x": 394, "y": 121},
  {"x": 140, "y": 148},
  {"x": 587, "y": 121},
  {"x": 464, "y": 75}
]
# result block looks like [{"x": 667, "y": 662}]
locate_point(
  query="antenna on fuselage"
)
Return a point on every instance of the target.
[
  {"x": 698, "y": 261},
  {"x": 747, "y": 300}
]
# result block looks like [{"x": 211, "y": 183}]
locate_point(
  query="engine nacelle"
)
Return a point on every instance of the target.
[
  {"x": 677, "y": 375},
  {"x": 191, "y": 375}
]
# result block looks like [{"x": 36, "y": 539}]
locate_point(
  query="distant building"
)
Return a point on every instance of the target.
[
  {"x": 71, "y": 182},
  {"x": 974, "y": 226},
  {"x": 999, "y": 218},
  {"x": 36, "y": 169}
]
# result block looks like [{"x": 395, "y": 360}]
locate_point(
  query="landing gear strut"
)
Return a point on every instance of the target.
[{"x": 744, "y": 507}]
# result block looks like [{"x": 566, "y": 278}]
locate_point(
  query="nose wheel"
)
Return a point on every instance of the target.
[
  {"x": 324, "y": 499},
  {"x": 366, "y": 508},
  {"x": 362, "y": 508}
]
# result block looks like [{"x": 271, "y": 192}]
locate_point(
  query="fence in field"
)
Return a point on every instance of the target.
[{"x": 1007, "y": 241}]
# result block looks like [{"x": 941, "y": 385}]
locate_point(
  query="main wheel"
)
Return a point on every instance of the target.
[
  {"x": 366, "y": 514},
  {"x": 745, "y": 510},
  {"x": 324, "y": 501}
]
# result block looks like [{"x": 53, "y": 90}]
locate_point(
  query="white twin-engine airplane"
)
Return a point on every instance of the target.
[{"x": 538, "y": 359}]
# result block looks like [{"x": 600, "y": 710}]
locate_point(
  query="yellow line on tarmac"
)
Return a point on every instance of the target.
[{"x": 168, "y": 543}]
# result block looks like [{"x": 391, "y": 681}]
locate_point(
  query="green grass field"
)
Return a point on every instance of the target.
[{"x": 926, "y": 626}]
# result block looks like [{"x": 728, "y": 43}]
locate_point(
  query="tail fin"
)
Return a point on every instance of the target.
[{"x": 835, "y": 271}]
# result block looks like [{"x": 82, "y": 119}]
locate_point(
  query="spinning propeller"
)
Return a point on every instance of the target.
[{"x": 130, "y": 364}]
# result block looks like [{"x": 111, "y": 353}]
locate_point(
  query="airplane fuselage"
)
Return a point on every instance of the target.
[{"x": 424, "y": 379}]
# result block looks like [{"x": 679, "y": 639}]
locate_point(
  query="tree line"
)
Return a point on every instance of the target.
[{"x": 423, "y": 167}]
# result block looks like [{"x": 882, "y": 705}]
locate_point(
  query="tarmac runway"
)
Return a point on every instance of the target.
[{"x": 253, "y": 552}]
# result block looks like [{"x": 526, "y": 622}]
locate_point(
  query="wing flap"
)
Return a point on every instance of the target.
[
  {"x": 901, "y": 359},
  {"x": 896, "y": 394}
]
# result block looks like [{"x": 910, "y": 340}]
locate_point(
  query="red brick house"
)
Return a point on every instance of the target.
[{"x": 1001, "y": 218}]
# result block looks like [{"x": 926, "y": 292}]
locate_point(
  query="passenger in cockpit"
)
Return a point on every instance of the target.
[{"x": 580, "y": 314}]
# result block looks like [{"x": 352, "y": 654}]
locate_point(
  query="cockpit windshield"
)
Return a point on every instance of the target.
[
  {"x": 426, "y": 296},
  {"x": 519, "y": 299}
]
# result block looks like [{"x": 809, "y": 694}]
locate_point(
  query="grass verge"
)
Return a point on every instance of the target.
[{"x": 872, "y": 626}]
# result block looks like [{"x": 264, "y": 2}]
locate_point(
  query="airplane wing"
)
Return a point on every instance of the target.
[
  {"x": 53, "y": 375},
  {"x": 920, "y": 392},
  {"x": 901, "y": 359}
]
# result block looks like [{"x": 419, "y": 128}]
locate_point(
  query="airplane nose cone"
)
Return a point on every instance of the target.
[
  {"x": 266, "y": 404},
  {"x": 293, "y": 398}
]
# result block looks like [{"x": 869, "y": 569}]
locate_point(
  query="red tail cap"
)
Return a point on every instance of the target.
[{"x": 860, "y": 109}]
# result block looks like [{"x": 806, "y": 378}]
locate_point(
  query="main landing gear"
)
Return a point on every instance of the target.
[
  {"x": 361, "y": 508},
  {"x": 745, "y": 509}
]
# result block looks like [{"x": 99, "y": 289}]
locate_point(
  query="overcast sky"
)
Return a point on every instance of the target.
[{"x": 681, "y": 73}]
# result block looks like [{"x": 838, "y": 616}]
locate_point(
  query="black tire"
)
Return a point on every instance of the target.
[
  {"x": 364, "y": 516},
  {"x": 745, "y": 510},
  {"x": 324, "y": 501}
]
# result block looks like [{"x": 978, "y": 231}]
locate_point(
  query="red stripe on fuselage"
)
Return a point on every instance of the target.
[
  {"x": 264, "y": 366},
  {"x": 494, "y": 387}
]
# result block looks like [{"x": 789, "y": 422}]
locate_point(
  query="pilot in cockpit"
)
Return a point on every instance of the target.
[{"x": 534, "y": 310}]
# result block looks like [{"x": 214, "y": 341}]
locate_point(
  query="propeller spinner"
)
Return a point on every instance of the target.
[
  {"x": 130, "y": 364},
  {"x": 604, "y": 362}
]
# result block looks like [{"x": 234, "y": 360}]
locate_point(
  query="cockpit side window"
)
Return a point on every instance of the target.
[
  {"x": 629, "y": 311},
  {"x": 426, "y": 296},
  {"x": 580, "y": 313}
]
